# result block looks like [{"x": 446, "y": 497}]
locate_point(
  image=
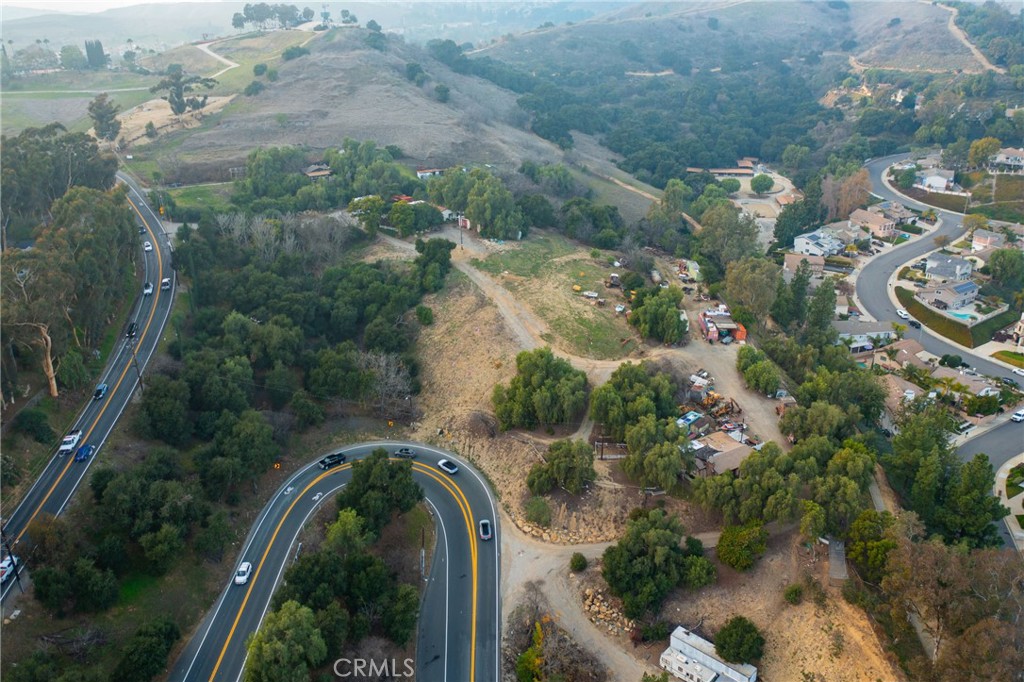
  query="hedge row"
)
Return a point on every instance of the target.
[
  {"x": 983, "y": 331},
  {"x": 937, "y": 322}
]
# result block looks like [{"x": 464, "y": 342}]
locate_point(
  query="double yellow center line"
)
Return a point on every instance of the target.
[{"x": 467, "y": 514}]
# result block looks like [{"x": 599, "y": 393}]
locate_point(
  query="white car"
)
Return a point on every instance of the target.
[
  {"x": 1018, "y": 371},
  {"x": 7, "y": 567},
  {"x": 448, "y": 467},
  {"x": 242, "y": 575},
  {"x": 902, "y": 314},
  {"x": 67, "y": 446},
  {"x": 1018, "y": 416},
  {"x": 146, "y": 246},
  {"x": 147, "y": 290}
]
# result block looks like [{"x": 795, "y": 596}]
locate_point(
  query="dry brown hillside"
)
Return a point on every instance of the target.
[{"x": 345, "y": 89}]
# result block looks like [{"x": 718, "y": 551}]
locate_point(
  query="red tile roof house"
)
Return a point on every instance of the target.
[{"x": 879, "y": 226}]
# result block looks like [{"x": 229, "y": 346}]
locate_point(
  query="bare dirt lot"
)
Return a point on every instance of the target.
[{"x": 158, "y": 112}]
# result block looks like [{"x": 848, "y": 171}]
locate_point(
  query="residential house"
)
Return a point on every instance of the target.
[
  {"x": 817, "y": 244},
  {"x": 862, "y": 335},
  {"x": 1008, "y": 159},
  {"x": 972, "y": 385},
  {"x": 844, "y": 231},
  {"x": 717, "y": 453},
  {"x": 896, "y": 211},
  {"x": 692, "y": 658},
  {"x": 936, "y": 180},
  {"x": 945, "y": 267},
  {"x": 898, "y": 392},
  {"x": 816, "y": 263},
  {"x": 317, "y": 171},
  {"x": 875, "y": 222},
  {"x": 447, "y": 215},
  {"x": 424, "y": 173},
  {"x": 900, "y": 354},
  {"x": 951, "y": 296},
  {"x": 986, "y": 239}
]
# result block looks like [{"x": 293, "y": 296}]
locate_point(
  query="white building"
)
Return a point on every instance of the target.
[
  {"x": 817, "y": 244},
  {"x": 692, "y": 658}
]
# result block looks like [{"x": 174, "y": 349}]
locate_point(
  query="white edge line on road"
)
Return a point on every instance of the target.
[
  {"x": 447, "y": 586},
  {"x": 273, "y": 588},
  {"x": 253, "y": 532}
]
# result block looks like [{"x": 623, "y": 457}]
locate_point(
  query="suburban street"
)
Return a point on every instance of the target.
[
  {"x": 1000, "y": 443},
  {"x": 459, "y": 624},
  {"x": 62, "y": 475}
]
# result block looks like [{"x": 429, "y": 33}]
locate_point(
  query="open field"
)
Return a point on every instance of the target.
[{"x": 214, "y": 196}]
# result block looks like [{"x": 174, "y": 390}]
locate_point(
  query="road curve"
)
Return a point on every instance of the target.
[
  {"x": 1003, "y": 442},
  {"x": 459, "y": 629},
  {"x": 62, "y": 475}
]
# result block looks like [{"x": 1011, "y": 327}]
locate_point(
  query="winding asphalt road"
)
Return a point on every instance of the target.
[
  {"x": 459, "y": 626},
  {"x": 58, "y": 481},
  {"x": 1002, "y": 442}
]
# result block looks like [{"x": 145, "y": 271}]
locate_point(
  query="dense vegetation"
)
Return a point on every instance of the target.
[
  {"x": 545, "y": 390},
  {"x": 994, "y": 29},
  {"x": 569, "y": 464}
]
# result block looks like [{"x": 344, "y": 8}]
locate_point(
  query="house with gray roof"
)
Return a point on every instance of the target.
[
  {"x": 951, "y": 296},
  {"x": 943, "y": 266},
  {"x": 817, "y": 243},
  {"x": 694, "y": 659},
  {"x": 863, "y": 335}
]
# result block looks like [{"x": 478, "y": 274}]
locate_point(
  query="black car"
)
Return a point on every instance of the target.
[
  {"x": 332, "y": 460},
  {"x": 915, "y": 324},
  {"x": 132, "y": 329},
  {"x": 1009, "y": 381},
  {"x": 407, "y": 453}
]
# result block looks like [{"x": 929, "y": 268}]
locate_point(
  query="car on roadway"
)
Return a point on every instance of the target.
[
  {"x": 902, "y": 314},
  {"x": 84, "y": 452},
  {"x": 448, "y": 467},
  {"x": 332, "y": 460},
  {"x": 67, "y": 446},
  {"x": 142, "y": 230},
  {"x": 100, "y": 391},
  {"x": 132, "y": 328},
  {"x": 147, "y": 246},
  {"x": 407, "y": 453},
  {"x": 243, "y": 572},
  {"x": 7, "y": 567},
  {"x": 147, "y": 289},
  {"x": 1018, "y": 416},
  {"x": 915, "y": 324},
  {"x": 485, "y": 529},
  {"x": 1018, "y": 371},
  {"x": 165, "y": 284}
]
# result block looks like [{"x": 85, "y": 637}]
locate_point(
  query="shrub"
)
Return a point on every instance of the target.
[
  {"x": 254, "y": 88},
  {"x": 33, "y": 423},
  {"x": 271, "y": 75},
  {"x": 739, "y": 641},
  {"x": 578, "y": 562},
  {"x": 425, "y": 315},
  {"x": 654, "y": 631},
  {"x": 294, "y": 52},
  {"x": 794, "y": 594},
  {"x": 740, "y": 546},
  {"x": 259, "y": 69},
  {"x": 538, "y": 511},
  {"x": 150, "y": 130}
]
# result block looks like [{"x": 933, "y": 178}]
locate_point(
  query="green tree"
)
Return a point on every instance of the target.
[
  {"x": 656, "y": 314},
  {"x": 442, "y": 92},
  {"x": 647, "y": 562},
  {"x": 34, "y": 423},
  {"x": 72, "y": 58},
  {"x": 869, "y": 542},
  {"x": 763, "y": 377},
  {"x": 761, "y": 183},
  {"x": 145, "y": 654},
  {"x": 726, "y": 237},
  {"x": 569, "y": 464},
  {"x": 545, "y": 390},
  {"x": 634, "y": 390},
  {"x": 982, "y": 150},
  {"x": 739, "y": 641},
  {"x": 103, "y": 113},
  {"x": 214, "y": 536},
  {"x": 740, "y": 546},
  {"x": 286, "y": 646},
  {"x": 730, "y": 185},
  {"x": 163, "y": 412},
  {"x": 180, "y": 88},
  {"x": 1007, "y": 268},
  {"x": 380, "y": 487},
  {"x": 753, "y": 284},
  {"x": 400, "y": 618}
]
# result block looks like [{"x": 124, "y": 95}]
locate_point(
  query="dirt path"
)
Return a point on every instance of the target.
[
  {"x": 205, "y": 47},
  {"x": 962, "y": 37}
]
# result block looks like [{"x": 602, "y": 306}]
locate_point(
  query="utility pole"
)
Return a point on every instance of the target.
[{"x": 135, "y": 361}]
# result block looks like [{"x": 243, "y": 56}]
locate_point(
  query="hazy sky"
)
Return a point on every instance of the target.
[{"x": 81, "y": 6}]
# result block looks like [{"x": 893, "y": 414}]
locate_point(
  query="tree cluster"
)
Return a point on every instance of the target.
[
  {"x": 545, "y": 390},
  {"x": 651, "y": 560},
  {"x": 483, "y": 198},
  {"x": 633, "y": 391},
  {"x": 378, "y": 489},
  {"x": 264, "y": 16},
  {"x": 569, "y": 465},
  {"x": 656, "y": 314}
]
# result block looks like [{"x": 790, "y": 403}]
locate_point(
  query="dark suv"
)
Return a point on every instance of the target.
[
  {"x": 407, "y": 453},
  {"x": 132, "y": 328},
  {"x": 332, "y": 460}
]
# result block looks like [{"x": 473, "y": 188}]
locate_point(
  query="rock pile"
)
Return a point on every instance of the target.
[{"x": 604, "y": 614}]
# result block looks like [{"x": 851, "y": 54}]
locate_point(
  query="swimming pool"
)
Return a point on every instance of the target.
[{"x": 963, "y": 316}]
